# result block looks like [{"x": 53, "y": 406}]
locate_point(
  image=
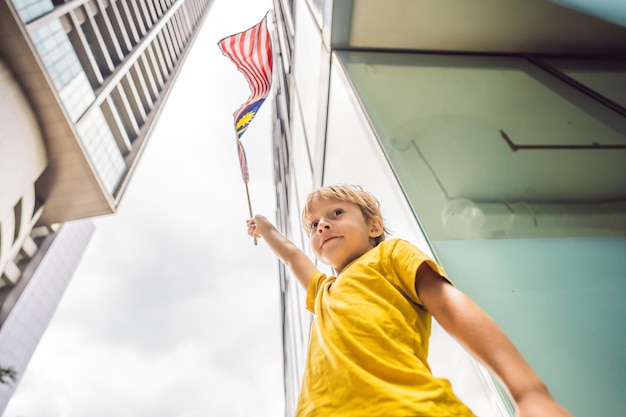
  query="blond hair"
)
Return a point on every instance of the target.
[{"x": 369, "y": 205}]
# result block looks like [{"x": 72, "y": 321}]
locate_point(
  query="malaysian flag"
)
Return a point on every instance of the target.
[{"x": 251, "y": 51}]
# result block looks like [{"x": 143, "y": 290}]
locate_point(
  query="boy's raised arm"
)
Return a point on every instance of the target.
[
  {"x": 300, "y": 264},
  {"x": 475, "y": 330}
]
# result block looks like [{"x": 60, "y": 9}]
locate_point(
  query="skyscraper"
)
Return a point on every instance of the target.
[
  {"x": 494, "y": 134},
  {"x": 82, "y": 84},
  {"x": 29, "y": 304}
]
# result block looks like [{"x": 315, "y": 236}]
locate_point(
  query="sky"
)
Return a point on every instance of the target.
[{"x": 173, "y": 311}]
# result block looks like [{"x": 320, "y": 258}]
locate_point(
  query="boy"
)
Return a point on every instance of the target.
[{"x": 369, "y": 340}]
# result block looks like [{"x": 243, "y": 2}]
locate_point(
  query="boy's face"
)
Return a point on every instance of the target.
[{"x": 340, "y": 233}]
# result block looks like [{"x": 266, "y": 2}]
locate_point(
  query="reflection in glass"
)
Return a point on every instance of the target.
[
  {"x": 307, "y": 66},
  {"x": 536, "y": 157},
  {"x": 606, "y": 77}
]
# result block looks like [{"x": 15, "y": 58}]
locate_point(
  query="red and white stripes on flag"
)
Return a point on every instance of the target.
[{"x": 251, "y": 52}]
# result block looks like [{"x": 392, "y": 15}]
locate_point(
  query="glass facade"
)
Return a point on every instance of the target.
[
  {"x": 31, "y": 9},
  {"x": 606, "y": 77},
  {"x": 506, "y": 168},
  {"x": 59, "y": 58},
  {"x": 456, "y": 129},
  {"x": 102, "y": 149},
  {"x": 47, "y": 277},
  {"x": 307, "y": 75}
]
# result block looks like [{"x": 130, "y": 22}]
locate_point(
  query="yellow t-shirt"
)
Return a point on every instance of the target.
[{"x": 369, "y": 341}]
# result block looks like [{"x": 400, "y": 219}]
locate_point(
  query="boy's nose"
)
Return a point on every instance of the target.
[{"x": 321, "y": 225}]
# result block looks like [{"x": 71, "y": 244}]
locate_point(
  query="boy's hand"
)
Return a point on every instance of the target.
[
  {"x": 251, "y": 223},
  {"x": 257, "y": 225}
]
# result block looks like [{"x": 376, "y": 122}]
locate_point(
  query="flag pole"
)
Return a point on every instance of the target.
[
  {"x": 245, "y": 176},
  {"x": 250, "y": 208}
]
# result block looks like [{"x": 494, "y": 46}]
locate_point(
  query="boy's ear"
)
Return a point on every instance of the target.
[{"x": 376, "y": 226}]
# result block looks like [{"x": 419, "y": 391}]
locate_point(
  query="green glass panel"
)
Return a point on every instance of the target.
[
  {"x": 562, "y": 302},
  {"x": 606, "y": 77}
]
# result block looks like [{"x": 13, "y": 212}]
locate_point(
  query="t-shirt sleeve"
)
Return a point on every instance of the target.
[
  {"x": 316, "y": 281},
  {"x": 405, "y": 260}
]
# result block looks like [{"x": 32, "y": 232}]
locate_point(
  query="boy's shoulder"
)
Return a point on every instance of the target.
[
  {"x": 391, "y": 244},
  {"x": 399, "y": 250},
  {"x": 388, "y": 249}
]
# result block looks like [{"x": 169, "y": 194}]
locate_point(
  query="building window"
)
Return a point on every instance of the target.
[
  {"x": 59, "y": 58},
  {"x": 102, "y": 148},
  {"x": 29, "y": 10}
]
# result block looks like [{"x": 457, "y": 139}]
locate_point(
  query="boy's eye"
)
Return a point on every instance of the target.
[
  {"x": 314, "y": 224},
  {"x": 337, "y": 212}
]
